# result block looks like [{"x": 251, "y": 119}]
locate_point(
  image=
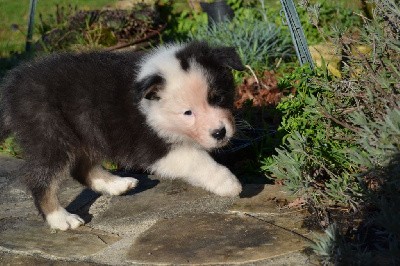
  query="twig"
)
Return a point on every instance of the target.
[
  {"x": 254, "y": 74},
  {"x": 337, "y": 121},
  {"x": 279, "y": 63},
  {"x": 149, "y": 36}
]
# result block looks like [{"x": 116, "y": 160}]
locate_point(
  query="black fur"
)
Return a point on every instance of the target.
[
  {"x": 218, "y": 62},
  {"x": 80, "y": 103},
  {"x": 149, "y": 86},
  {"x": 225, "y": 57},
  {"x": 72, "y": 111},
  {"x": 69, "y": 112}
]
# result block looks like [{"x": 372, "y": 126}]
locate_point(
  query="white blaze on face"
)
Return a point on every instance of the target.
[{"x": 183, "y": 113}]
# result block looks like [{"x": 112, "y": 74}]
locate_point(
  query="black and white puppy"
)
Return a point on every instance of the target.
[{"x": 161, "y": 111}]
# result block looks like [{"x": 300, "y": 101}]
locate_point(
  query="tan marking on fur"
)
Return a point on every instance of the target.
[
  {"x": 56, "y": 216},
  {"x": 49, "y": 202},
  {"x": 97, "y": 172}
]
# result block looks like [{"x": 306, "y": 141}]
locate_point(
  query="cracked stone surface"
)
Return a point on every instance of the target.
[
  {"x": 33, "y": 235},
  {"x": 158, "y": 200},
  {"x": 269, "y": 203},
  {"x": 212, "y": 238},
  {"x": 159, "y": 222}
]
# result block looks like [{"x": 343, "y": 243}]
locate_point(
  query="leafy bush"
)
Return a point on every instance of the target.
[
  {"x": 342, "y": 143},
  {"x": 330, "y": 122},
  {"x": 322, "y": 19},
  {"x": 312, "y": 161},
  {"x": 181, "y": 20}
]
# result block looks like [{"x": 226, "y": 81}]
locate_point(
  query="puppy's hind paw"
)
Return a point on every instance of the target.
[
  {"x": 121, "y": 185},
  {"x": 63, "y": 220}
]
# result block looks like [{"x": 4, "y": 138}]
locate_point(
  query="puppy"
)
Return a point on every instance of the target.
[{"x": 161, "y": 111}]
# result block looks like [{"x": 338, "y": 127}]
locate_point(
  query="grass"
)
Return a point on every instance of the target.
[{"x": 16, "y": 13}]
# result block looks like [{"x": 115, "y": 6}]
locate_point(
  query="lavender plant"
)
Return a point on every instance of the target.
[{"x": 257, "y": 40}]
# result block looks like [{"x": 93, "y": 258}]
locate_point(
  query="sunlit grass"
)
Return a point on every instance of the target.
[{"x": 15, "y": 13}]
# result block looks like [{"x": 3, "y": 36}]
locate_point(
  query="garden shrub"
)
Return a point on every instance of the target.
[
  {"x": 312, "y": 162},
  {"x": 181, "y": 20},
  {"x": 342, "y": 142},
  {"x": 258, "y": 40},
  {"x": 321, "y": 19}
]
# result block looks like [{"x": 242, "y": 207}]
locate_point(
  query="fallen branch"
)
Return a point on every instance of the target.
[{"x": 148, "y": 37}]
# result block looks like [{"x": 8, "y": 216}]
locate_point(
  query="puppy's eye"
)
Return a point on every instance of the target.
[
  {"x": 188, "y": 112},
  {"x": 216, "y": 99}
]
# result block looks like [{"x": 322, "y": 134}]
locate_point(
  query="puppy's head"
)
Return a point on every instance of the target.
[{"x": 187, "y": 93}]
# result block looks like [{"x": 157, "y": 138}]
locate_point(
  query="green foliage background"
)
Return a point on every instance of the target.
[{"x": 342, "y": 140}]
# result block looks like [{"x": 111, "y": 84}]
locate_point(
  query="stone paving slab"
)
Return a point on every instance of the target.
[
  {"x": 34, "y": 235},
  {"x": 164, "y": 199},
  {"x": 270, "y": 204},
  {"x": 159, "y": 222},
  {"x": 212, "y": 238},
  {"x": 263, "y": 199},
  {"x": 10, "y": 259}
]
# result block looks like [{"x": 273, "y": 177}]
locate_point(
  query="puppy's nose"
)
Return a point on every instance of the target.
[{"x": 219, "y": 134}]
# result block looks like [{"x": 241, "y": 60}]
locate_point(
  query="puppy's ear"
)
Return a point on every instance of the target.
[
  {"x": 149, "y": 87},
  {"x": 229, "y": 57}
]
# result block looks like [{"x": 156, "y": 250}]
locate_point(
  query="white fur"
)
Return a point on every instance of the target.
[
  {"x": 106, "y": 183},
  {"x": 115, "y": 187},
  {"x": 161, "y": 60},
  {"x": 63, "y": 220},
  {"x": 198, "y": 168},
  {"x": 184, "y": 90}
]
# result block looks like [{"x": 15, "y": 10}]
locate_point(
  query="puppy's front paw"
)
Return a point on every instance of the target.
[
  {"x": 229, "y": 187},
  {"x": 63, "y": 220}
]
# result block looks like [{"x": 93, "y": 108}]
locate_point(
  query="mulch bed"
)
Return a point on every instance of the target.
[{"x": 110, "y": 29}]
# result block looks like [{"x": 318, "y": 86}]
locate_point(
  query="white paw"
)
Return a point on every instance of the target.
[
  {"x": 63, "y": 220},
  {"x": 229, "y": 186},
  {"x": 115, "y": 187}
]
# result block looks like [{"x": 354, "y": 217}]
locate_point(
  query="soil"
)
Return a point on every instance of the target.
[{"x": 260, "y": 91}]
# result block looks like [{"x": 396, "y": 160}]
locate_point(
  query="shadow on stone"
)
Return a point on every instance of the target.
[
  {"x": 82, "y": 203},
  {"x": 251, "y": 191},
  {"x": 145, "y": 183}
]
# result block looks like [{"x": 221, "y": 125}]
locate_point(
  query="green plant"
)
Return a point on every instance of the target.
[
  {"x": 258, "y": 42},
  {"x": 14, "y": 15},
  {"x": 330, "y": 117},
  {"x": 181, "y": 20},
  {"x": 320, "y": 19},
  {"x": 312, "y": 155},
  {"x": 9, "y": 146},
  {"x": 342, "y": 140}
]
